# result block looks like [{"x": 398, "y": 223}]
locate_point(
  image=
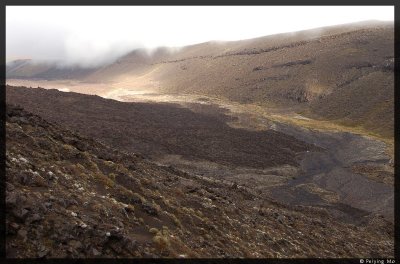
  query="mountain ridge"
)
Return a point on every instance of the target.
[{"x": 309, "y": 71}]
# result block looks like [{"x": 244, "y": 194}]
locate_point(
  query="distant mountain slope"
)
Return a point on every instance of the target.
[
  {"x": 342, "y": 73},
  {"x": 71, "y": 196},
  {"x": 28, "y": 69},
  {"x": 13, "y": 66},
  {"x": 347, "y": 78}
]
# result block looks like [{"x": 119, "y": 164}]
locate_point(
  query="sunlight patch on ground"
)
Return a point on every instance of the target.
[{"x": 64, "y": 89}]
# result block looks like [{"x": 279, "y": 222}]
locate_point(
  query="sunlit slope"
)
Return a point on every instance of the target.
[{"x": 343, "y": 76}]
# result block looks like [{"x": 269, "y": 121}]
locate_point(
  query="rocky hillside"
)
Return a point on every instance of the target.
[{"x": 70, "y": 196}]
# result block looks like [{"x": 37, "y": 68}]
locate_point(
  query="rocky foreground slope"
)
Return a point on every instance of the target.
[{"x": 71, "y": 196}]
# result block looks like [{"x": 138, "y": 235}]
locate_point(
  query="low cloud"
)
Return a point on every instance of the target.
[
  {"x": 96, "y": 35},
  {"x": 44, "y": 43}
]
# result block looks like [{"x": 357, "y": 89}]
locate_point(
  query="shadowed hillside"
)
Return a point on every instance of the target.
[{"x": 160, "y": 129}]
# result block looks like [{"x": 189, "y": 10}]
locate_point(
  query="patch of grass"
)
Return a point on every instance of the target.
[
  {"x": 93, "y": 166},
  {"x": 166, "y": 201},
  {"x": 104, "y": 179},
  {"x": 109, "y": 163},
  {"x": 156, "y": 206},
  {"x": 112, "y": 176},
  {"x": 137, "y": 198},
  {"x": 153, "y": 230},
  {"x": 161, "y": 238},
  {"x": 97, "y": 208},
  {"x": 145, "y": 182},
  {"x": 69, "y": 148},
  {"x": 179, "y": 193},
  {"x": 324, "y": 125},
  {"x": 124, "y": 191},
  {"x": 80, "y": 166},
  {"x": 130, "y": 208},
  {"x": 176, "y": 221},
  {"x": 74, "y": 169},
  {"x": 120, "y": 168}
]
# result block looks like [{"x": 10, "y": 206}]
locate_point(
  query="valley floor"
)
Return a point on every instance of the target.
[
  {"x": 352, "y": 177},
  {"x": 349, "y": 173}
]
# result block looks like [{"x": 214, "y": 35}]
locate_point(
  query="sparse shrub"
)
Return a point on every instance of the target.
[
  {"x": 97, "y": 208},
  {"x": 156, "y": 206},
  {"x": 109, "y": 163},
  {"x": 153, "y": 230},
  {"x": 137, "y": 198},
  {"x": 145, "y": 182},
  {"x": 188, "y": 210},
  {"x": 83, "y": 175},
  {"x": 71, "y": 169},
  {"x": 130, "y": 208},
  {"x": 112, "y": 176},
  {"x": 151, "y": 208},
  {"x": 176, "y": 221},
  {"x": 69, "y": 148},
  {"x": 104, "y": 179},
  {"x": 124, "y": 192},
  {"x": 157, "y": 195},
  {"x": 161, "y": 239},
  {"x": 80, "y": 166},
  {"x": 178, "y": 193},
  {"x": 93, "y": 166},
  {"x": 166, "y": 201},
  {"x": 121, "y": 169}
]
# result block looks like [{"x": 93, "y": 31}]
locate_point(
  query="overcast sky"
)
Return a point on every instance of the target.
[{"x": 92, "y": 35}]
